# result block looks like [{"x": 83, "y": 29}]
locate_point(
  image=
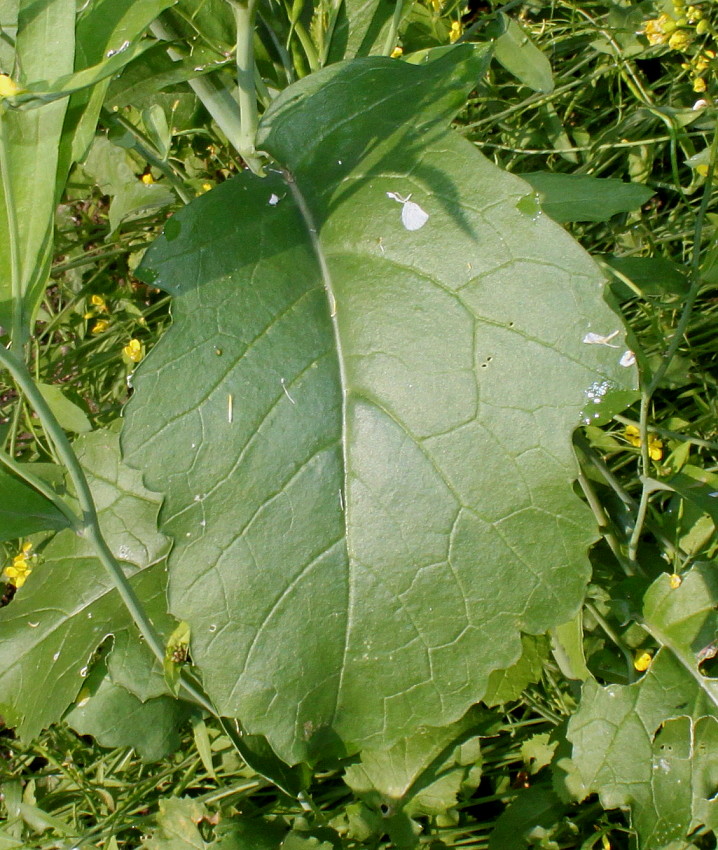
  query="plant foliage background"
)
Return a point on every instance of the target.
[{"x": 347, "y": 501}]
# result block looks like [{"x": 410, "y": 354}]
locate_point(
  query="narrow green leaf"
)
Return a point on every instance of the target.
[
  {"x": 45, "y": 48},
  {"x": 361, "y": 28},
  {"x": 371, "y": 483},
  {"x": 68, "y": 605},
  {"x": 515, "y": 50},
  {"x": 37, "y": 94},
  {"x": 71, "y": 417},
  {"x": 567, "y": 648},
  {"x": 648, "y": 276},
  {"x": 24, "y": 511},
  {"x": 576, "y": 197}
]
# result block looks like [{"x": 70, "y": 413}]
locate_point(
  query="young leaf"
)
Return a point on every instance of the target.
[
  {"x": 641, "y": 744},
  {"x": 368, "y": 463},
  {"x": 424, "y": 773},
  {"x": 576, "y": 197},
  {"x": 68, "y": 606},
  {"x": 514, "y": 49},
  {"x": 116, "y": 718}
]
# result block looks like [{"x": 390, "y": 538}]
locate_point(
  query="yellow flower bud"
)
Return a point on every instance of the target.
[
  {"x": 680, "y": 40},
  {"x": 699, "y": 85},
  {"x": 8, "y": 87},
  {"x": 642, "y": 662},
  {"x": 100, "y": 326},
  {"x": 397, "y": 52},
  {"x": 702, "y": 27},
  {"x": 147, "y": 179},
  {"x": 675, "y": 581},
  {"x": 456, "y": 31}
]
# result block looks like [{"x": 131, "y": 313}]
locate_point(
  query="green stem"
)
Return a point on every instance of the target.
[
  {"x": 89, "y": 526},
  {"x": 390, "y": 42},
  {"x": 18, "y": 305},
  {"x": 625, "y": 651},
  {"x": 244, "y": 19},
  {"x": 215, "y": 97}
]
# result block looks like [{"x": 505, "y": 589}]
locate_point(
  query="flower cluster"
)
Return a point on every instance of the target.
[
  {"x": 98, "y": 306},
  {"x": 689, "y": 30},
  {"x": 21, "y": 566}
]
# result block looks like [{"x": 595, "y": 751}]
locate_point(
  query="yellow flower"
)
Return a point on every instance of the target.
[
  {"x": 21, "y": 566},
  {"x": 675, "y": 581},
  {"x": 699, "y": 85},
  {"x": 642, "y": 662},
  {"x": 8, "y": 87},
  {"x": 680, "y": 40},
  {"x": 397, "y": 52},
  {"x": 657, "y": 29},
  {"x": 133, "y": 350},
  {"x": 100, "y": 326},
  {"x": 147, "y": 179},
  {"x": 455, "y": 32},
  {"x": 655, "y": 444},
  {"x": 99, "y": 302}
]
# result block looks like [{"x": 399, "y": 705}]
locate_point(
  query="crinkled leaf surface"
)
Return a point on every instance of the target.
[
  {"x": 654, "y": 741},
  {"x": 363, "y": 431},
  {"x": 68, "y": 605}
]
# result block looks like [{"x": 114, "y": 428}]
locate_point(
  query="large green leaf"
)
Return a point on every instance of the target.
[
  {"x": 363, "y": 431},
  {"x": 68, "y": 605},
  {"x": 651, "y": 745}
]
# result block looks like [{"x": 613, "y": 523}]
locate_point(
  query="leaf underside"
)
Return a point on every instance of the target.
[{"x": 363, "y": 431}]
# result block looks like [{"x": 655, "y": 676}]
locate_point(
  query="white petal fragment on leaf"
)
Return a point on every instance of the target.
[
  {"x": 413, "y": 217},
  {"x": 599, "y": 339}
]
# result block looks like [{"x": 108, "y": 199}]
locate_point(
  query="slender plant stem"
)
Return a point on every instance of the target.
[
  {"x": 22, "y": 471},
  {"x": 89, "y": 526},
  {"x": 244, "y": 18},
  {"x": 17, "y": 341},
  {"x": 626, "y": 652},
  {"x": 144, "y": 148},
  {"x": 215, "y": 96},
  {"x": 390, "y": 42}
]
